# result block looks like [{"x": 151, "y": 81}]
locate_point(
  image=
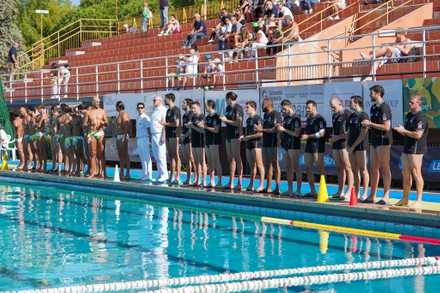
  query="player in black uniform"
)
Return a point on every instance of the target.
[
  {"x": 380, "y": 134},
  {"x": 198, "y": 143},
  {"x": 415, "y": 134},
  {"x": 213, "y": 140},
  {"x": 253, "y": 143},
  {"x": 234, "y": 130},
  {"x": 271, "y": 120},
  {"x": 357, "y": 144},
  {"x": 185, "y": 138},
  {"x": 291, "y": 145},
  {"x": 172, "y": 136},
  {"x": 315, "y": 144},
  {"x": 339, "y": 152}
]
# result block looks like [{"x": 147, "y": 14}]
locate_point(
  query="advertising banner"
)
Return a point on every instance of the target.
[
  {"x": 429, "y": 89},
  {"x": 344, "y": 91},
  {"x": 393, "y": 97}
]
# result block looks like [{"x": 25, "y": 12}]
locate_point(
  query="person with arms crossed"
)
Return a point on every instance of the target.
[
  {"x": 357, "y": 145},
  {"x": 381, "y": 138},
  {"x": 315, "y": 144},
  {"x": 158, "y": 138},
  {"x": 291, "y": 145},
  {"x": 143, "y": 144},
  {"x": 415, "y": 139}
]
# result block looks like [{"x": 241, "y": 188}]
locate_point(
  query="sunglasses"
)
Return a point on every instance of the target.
[{"x": 140, "y": 107}]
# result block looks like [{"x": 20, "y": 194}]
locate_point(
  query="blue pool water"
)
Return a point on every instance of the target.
[{"x": 53, "y": 237}]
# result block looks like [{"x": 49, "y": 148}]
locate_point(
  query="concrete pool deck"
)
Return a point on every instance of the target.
[{"x": 240, "y": 202}]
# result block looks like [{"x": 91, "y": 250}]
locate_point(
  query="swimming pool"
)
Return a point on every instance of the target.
[{"x": 54, "y": 238}]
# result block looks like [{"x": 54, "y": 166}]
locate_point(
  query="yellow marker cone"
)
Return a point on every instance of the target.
[
  {"x": 5, "y": 163},
  {"x": 116, "y": 177},
  {"x": 323, "y": 241},
  {"x": 322, "y": 194}
]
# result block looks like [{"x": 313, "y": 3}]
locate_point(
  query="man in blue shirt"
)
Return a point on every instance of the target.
[
  {"x": 198, "y": 32},
  {"x": 163, "y": 5},
  {"x": 13, "y": 60}
]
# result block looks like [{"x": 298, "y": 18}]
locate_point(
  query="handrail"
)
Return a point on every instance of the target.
[
  {"x": 349, "y": 28},
  {"x": 321, "y": 14}
]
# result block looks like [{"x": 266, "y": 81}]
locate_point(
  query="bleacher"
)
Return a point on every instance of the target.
[{"x": 141, "y": 61}]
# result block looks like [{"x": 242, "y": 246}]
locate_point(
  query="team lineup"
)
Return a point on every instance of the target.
[{"x": 77, "y": 144}]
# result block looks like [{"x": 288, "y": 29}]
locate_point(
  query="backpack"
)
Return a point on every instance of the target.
[{"x": 412, "y": 55}]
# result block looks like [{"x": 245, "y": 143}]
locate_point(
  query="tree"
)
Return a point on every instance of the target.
[{"x": 9, "y": 32}]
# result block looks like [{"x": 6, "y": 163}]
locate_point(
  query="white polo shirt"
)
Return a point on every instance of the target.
[
  {"x": 142, "y": 124},
  {"x": 159, "y": 114}
]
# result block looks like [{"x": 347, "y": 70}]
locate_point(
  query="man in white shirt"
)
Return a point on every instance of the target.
[
  {"x": 158, "y": 138},
  {"x": 3, "y": 138},
  {"x": 192, "y": 62},
  {"x": 143, "y": 135}
]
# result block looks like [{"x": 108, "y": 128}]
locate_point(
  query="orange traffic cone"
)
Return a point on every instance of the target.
[{"x": 353, "y": 198}]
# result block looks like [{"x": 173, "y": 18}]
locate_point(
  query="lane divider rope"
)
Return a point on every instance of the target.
[{"x": 222, "y": 278}]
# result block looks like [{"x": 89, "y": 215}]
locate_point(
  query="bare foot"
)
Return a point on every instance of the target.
[
  {"x": 417, "y": 205},
  {"x": 402, "y": 203}
]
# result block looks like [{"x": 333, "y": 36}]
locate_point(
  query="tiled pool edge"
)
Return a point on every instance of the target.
[{"x": 250, "y": 204}]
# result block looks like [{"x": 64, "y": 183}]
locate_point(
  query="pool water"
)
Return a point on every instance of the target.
[{"x": 53, "y": 238}]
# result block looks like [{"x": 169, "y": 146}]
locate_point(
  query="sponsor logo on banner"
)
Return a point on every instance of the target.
[
  {"x": 434, "y": 167},
  {"x": 328, "y": 162}
]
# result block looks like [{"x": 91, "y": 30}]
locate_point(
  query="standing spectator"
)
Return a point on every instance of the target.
[
  {"x": 234, "y": 130},
  {"x": 146, "y": 15},
  {"x": 271, "y": 121},
  {"x": 172, "y": 136},
  {"x": 198, "y": 31},
  {"x": 158, "y": 138},
  {"x": 13, "y": 61},
  {"x": 306, "y": 5},
  {"x": 172, "y": 27},
  {"x": 357, "y": 144},
  {"x": 163, "y": 6},
  {"x": 64, "y": 78},
  {"x": 336, "y": 6},
  {"x": 339, "y": 151},
  {"x": 54, "y": 81},
  {"x": 315, "y": 144},
  {"x": 253, "y": 141},
  {"x": 415, "y": 138},
  {"x": 381, "y": 138},
  {"x": 143, "y": 140},
  {"x": 291, "y": 145}
]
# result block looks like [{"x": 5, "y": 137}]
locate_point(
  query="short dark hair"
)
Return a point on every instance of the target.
[
  {"x": 285, "y": 102},
  {"x": 378, "y": 89},
  {"x": 171, "y": 97},
  {"x": 268, "y": 100},
  {"x": 357, "y": 100},
  {"x": 211, "y": 104},
  {"x": 82, "y": 106},
  {"x": 140, "y": 104},
  {"x": 196, "y": 103},
  {"x": 54, "y": 107},
  {"x": 231, "y": 96},
  {"x": 16, "y": 114},
  {"x": 311, "y": 102},
  {"x": 120, "y": 105},
  {"x": 40, "y": 105},
  {"x": 252, "y": 104}
]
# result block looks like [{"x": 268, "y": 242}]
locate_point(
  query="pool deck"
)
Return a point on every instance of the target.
[{"x": 241, "y": 202}]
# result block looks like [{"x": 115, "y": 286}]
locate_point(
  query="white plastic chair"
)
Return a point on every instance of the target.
[{"x": 5, "y": 146}]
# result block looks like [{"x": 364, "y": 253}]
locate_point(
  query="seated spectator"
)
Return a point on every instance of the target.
[
  {"x": 260, "y": 39},
  {"x": 292, "y": 4},
  {"x": 235, "y": 29},
  {"x": 191, "y": 68},
  {"x": 336, "y": 6},
  {"x": 246, "y": 8},
  {"x": 240, "y": 16},
  {"x": 212, "y": 69},
  {"x": 282, "y": 11},
  {"x": 291, "y": 31},
  {"x": 372, "y": 2},
  {"x": 269, "y": 15},
  {"x": 130, "y": 29},
  {"x": 275, "y": 36},
  {"x": 222, "y": 34},
  {"x": 172, "y": 27},
  {"x": 172, "y": 77},
  {"x": 223, "y": 16},
  {"x": 258, "y": 7},
  {"x": 306, "y": 5},
  {"x": 242, "y": 41},
  {"x": 198, "y": 32}
]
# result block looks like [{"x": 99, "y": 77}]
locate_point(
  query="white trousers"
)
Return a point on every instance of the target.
[
  {"x": 143, "y": 148},
  {"x": 160, "y": 154}
]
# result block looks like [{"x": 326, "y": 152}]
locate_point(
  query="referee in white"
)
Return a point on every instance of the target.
[
  {"x": 143, "y": 135},
  {"x": 158, "y": 138}
]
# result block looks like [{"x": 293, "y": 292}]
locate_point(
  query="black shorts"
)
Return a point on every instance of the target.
[
  {"x": 380, "y": 141},
  {"x": 171, "y": 133},
  {"x": 290, "y": 146},
  {"x": 253, "y": 144},
  {"x": 232, "y": 136},
  {"x": 197, "y": 144},
  {"x": 314, "y": 147},
  {"x": 338, "y": 145},
  {"x": 186, "y": 140},
  {"x": 359, "y": 147}
]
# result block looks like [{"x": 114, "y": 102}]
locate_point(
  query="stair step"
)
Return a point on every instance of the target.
[
  {"x": 90, "y": 44},
  {"x": 75, "y": 53}
]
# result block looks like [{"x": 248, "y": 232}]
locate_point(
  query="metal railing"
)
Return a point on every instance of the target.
[
  {"x": 69, "y": 37},
  {"x": 154, "y": 74}
]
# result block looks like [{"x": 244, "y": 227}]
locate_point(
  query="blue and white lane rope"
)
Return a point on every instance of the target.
[{"x": 431, "y": 262}]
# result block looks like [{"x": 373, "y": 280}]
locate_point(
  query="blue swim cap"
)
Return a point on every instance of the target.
[{"x": 207, "y": 57}]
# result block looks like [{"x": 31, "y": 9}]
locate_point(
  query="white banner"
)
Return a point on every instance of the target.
[
  {"x": 393, "y": 97},
  {"x": 344, "y": 91}
]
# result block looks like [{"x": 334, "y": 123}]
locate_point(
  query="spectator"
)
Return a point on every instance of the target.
[
  {"x": 372, "y": 2},
  {"x": 146, "y": 15},
  {"x": 130, "y": 29},
  {"x": 222, "y": 34},
  {"x": 260, "y": 39},
  {"x": 163, "y": 6},
  {"x": 291, "y": 31},
  {"x": 275, "y": 35},
  {"x": 13, "y": 61},
  {"x": 336, "y": 6},
  {"x": 191, "y": 69},
  {"x": 240, "y": 16},
  {"x": 242, "y": 41},
  {"x": 54, "y": 81},
  {"x": 172, "y": 77},
  {"x": 306, "y": 5},
  {"x": 214, "y": 31},
  {"x": 292, "y": 4},
  {"x": 269, "y": 15},
  {"x": 246, "y": 9},
  {"x": 235, "y": 29},
  {"x": 282, "y": 11},
  {"x": 198, "y": 31},
  {"x": 172, "y": 27},
  {"x": 64, "y": 78},
  {"x": 213, "y": 69},
  {"x": 258, "y": 9}
]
